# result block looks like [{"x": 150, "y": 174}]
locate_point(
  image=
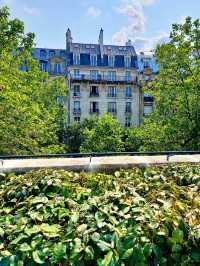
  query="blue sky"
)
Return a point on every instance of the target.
[{"x": 145, "y": 22}]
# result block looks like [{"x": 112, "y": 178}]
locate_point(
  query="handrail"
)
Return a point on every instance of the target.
[{"x": 99, "y": 154}]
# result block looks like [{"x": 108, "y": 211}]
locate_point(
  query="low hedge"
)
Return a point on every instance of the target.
[{"x": 148, "y": 216}]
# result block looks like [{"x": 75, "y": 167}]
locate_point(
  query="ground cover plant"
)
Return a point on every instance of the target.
[{"x": 148, "y": 216}]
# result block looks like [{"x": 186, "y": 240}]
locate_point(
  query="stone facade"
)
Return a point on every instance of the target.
[{"x": 100, "y": 79}]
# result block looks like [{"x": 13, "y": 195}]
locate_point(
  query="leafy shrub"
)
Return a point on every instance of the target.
[{"x": 148, "y": 216}]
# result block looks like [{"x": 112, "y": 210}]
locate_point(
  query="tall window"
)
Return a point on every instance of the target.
[
  {"x": 43, "y": 54},
  {"x": 112, "y": 92},
  {"x": 94, "y": 107},
  {"x": 43, "y": 66},
  {"x": 57, "y": 68},
  {"x": 77, "y": 72},
  {"x": 52, "y": 53},
  {"x": 128, "y": 108},
  {"x": 112, "y": 75},
  {"x": 77, "y": 90},
  {"x": 62, "y": 53},
  {"x": 146, "y": 62},
  {"x": 94, "y": 74},
  {"x": 127, "y": 61},
  {"x": 77, "y": 107},
  {"x": 76, "y": 58},
  {"x": 112, "y": 108},
  {"x": 77, "y": 119},
  {"x": 94, "y": 91},
  {"x": 111, "y": 61},
  {"x": 93, "y": 60},
  {"x": 128, "y": 92},
  {"x": 128, "y": 75},
  {"x": 128, "y": 121}
]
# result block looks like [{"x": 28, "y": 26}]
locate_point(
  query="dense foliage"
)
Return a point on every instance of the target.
[
  {"x": 175, "y": 122},
  {"x": 105, "y": 135},
  {"x": 30, "y": 118},
  {"x": 148, "y": 216}
]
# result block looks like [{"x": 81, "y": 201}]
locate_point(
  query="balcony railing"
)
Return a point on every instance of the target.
[
  {"x": 112, "y": 111},
  {"x": 94, "y": 94},
  {"x": 103, "y": 78},
  {"x": 128, "y": 110},
  {"x": 77, "y": 110},
  {"x": 94, "y": 111},
  {"x": 76, "y": 94},
  {"x": 112, "y": 95}
]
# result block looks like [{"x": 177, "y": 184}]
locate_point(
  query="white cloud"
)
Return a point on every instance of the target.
[
  {"x": 32, "y": 11},
  {"x": 134, "y": 11},
  {"x": 93, "y": 12},
  {"x": 147, "y": 2},
  {"x": 147, "y": 44}
]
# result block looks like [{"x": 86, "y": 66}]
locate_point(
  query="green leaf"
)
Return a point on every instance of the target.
[
  {"x": 59, "y": 250},
  {"x": 33, "y": 230},
  {"x": 196, "y": 256},
  {"x": 81, "y": 228},
  {"x": 1, "y": 232},
  {"x": 89, "y": 253},
  {"x": 177, "y": 236},
  {"x": 24, "y": 247},
  {"x": 104, "y": 246},
  {"x": 37, "y": 257},
  {"x": 127, "y": 254},
  {"x": 74, "y": 218},
  {"x": 37, "y": 200},
  {"x": 95, "y": 237},
  {"x": 50, "y": 230},
  {"x": 100, "y": 217},
  {"x": 19, "y": 239},
  {"x": 108, "y": 259}
]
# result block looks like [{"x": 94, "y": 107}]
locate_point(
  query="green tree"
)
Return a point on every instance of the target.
[
  {"x": 105, "y": 136},
  {"x": 175, "y": 122},
  {"x": 28, "y": 101},
  {"x": 74, "y": 136}
]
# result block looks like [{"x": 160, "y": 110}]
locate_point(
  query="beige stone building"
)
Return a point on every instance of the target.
[{"x": 102, "y": 79}]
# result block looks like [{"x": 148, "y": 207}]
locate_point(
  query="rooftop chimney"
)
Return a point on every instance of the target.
[
  {"x": 68, "y": 39},
  {"x": 101, "y": 37},
  {"x": 129, "y": 43}
]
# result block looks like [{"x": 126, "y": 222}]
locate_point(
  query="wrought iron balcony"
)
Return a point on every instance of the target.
[
  {"x": 103, "y": 79},
  {"x": 128, "y": 110},
  {"x": 77, "y": 110},
  {"x": 112, "y": 111},
  {"x": 76, "y": 94},
  {"x": 94, "y": 111},
  {"x": 94, "y": 94},
  {"x": 112, "y": 95}
]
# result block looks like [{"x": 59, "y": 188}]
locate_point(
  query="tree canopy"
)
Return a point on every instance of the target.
[
  {"x": 29, "y": 121},
  {"x": 175, "y": 122},
  {"x": 106, "y": 135}
]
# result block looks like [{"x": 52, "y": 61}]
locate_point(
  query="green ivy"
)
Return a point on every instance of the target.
[{"x": 148, "y": 216}]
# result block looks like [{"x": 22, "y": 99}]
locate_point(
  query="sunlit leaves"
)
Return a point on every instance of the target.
[{"x": 147, "y": 216}]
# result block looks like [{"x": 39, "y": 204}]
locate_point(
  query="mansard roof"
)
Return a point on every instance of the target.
[{"x": 106, "y": 49}]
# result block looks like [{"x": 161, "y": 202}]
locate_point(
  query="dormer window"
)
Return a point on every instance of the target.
[
  {"x": 52, "y": 53},
  {"x": 127, "y": 61},
  {"x": 76, "y": 59},
  {"x": 93, "y": 60},
  {"x": 43, "y": 54},
  {"x": 62, "y": 53},
  {"x": 146, "y": 62},
  {"x": 111, "y": 61}
]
